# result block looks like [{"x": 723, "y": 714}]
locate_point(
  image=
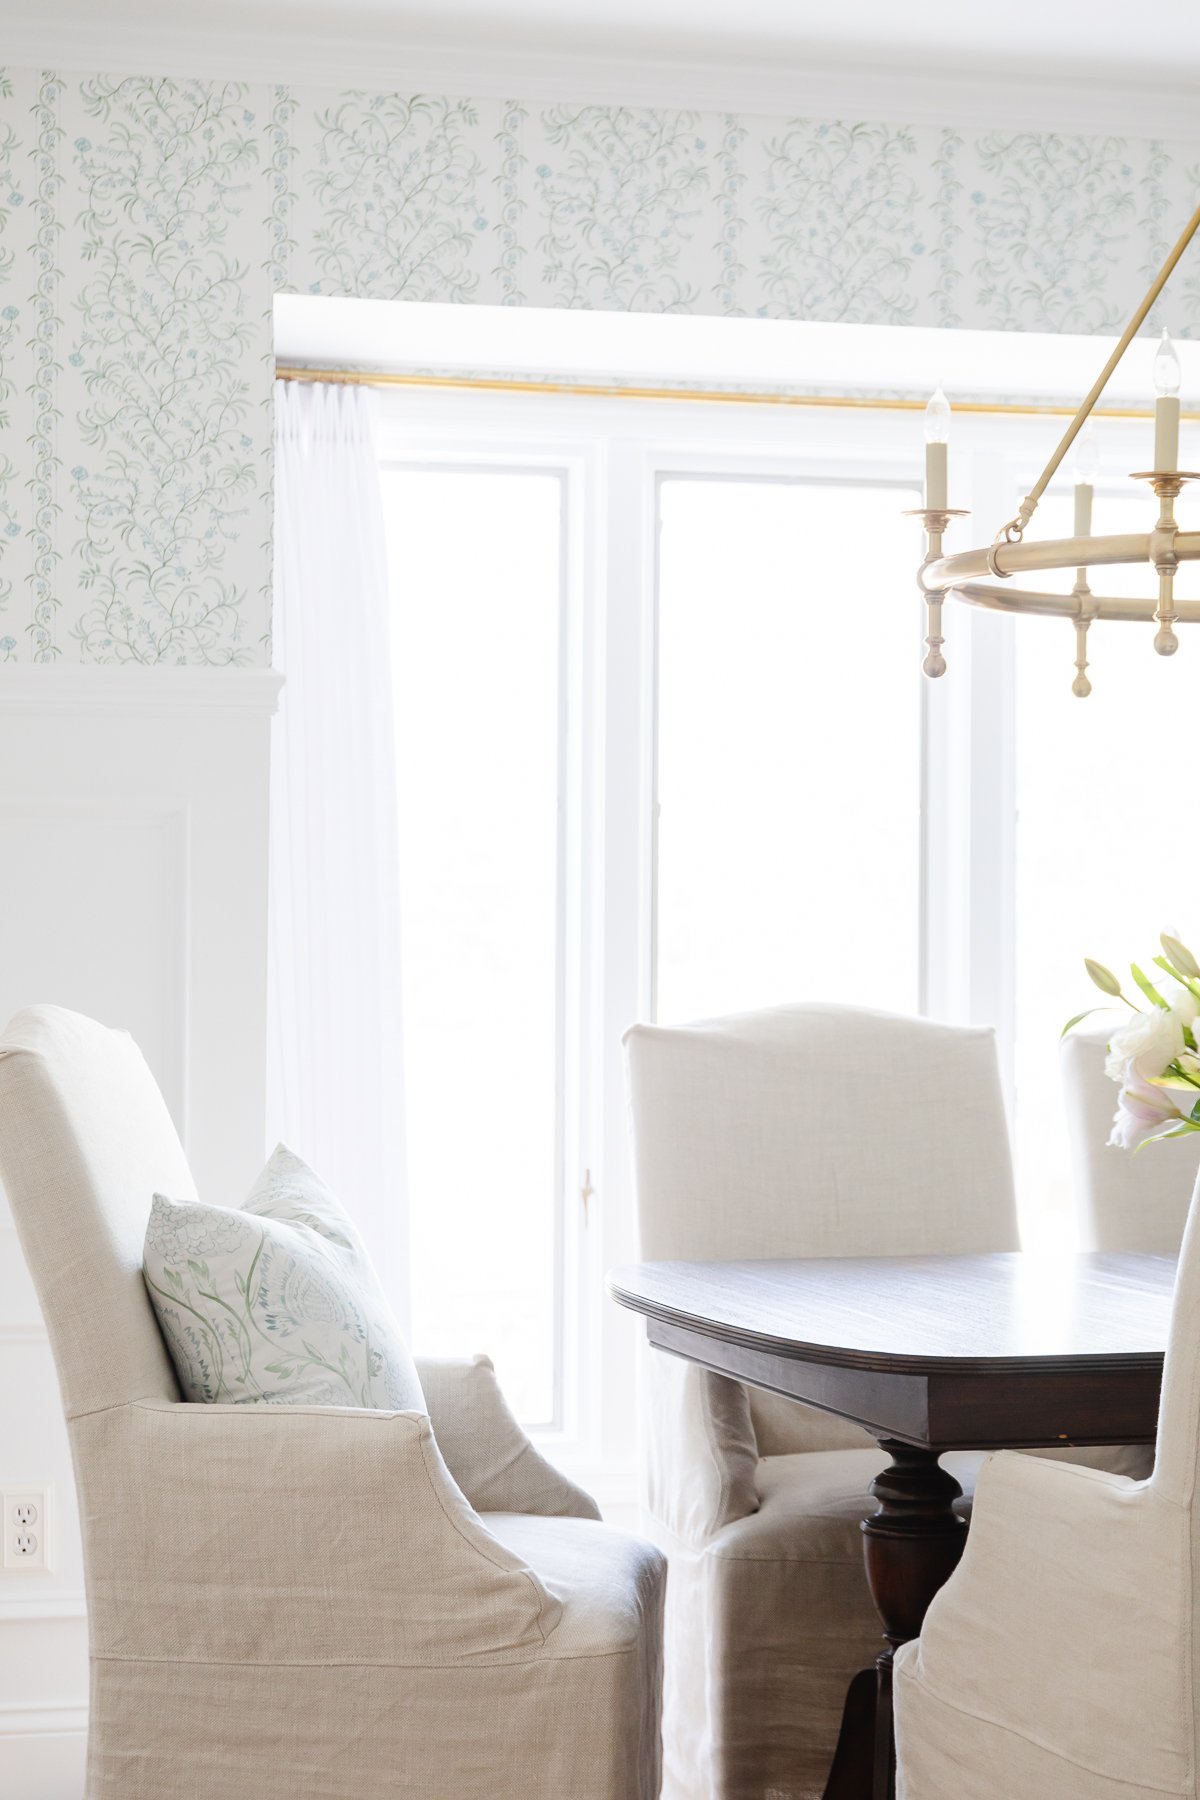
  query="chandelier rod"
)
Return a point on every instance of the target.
[{"x": 1013, "y": 531}]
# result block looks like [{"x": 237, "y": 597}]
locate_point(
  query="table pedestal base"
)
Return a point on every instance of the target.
[{"x": 912, "y": 1544}]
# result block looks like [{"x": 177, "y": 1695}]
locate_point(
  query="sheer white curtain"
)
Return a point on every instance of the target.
[{"x": 335, "y": 1056}]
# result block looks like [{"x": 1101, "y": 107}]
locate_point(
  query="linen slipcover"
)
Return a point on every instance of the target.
[
  {"x": 486, "y": 1450},
  {"x": 301, "y": 1603},
  {"x": 801, "y": 1131},
  {"x": 1059, "y": 1661},
  {"x": 1124, "y": 1201}
]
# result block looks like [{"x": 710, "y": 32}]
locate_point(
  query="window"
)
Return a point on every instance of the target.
[
  {"x": 580, "y": 588},
  {"x": 475, "y": 556},
  {"x": 789, "y": 711},
  {"x": 665, "y": 750}
]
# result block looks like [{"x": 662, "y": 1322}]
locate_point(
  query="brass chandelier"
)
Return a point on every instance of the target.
[{"x": 964, "y": 576}]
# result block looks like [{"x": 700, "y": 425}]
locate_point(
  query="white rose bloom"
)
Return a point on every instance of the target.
[
  {"x": 1144, "y": 1045},
  {"x": 1185, "y": 1006}
]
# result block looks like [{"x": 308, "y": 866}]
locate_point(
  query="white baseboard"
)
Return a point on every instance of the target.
[
  {"x": 50, "y": 1718},
  {"x": 43, "y": 1751}
]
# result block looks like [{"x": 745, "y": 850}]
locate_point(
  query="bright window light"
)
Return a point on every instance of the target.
[
  {"x": 668, "y": 751},
  {"x": 789, "y": 832},
  {"x": 1104, "y": 857},
  {"x": 477, "y": 597}
]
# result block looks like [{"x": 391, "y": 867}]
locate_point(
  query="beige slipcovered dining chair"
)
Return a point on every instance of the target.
[
  {"x": 803, "y": 1131},
  {"x": 1058, "y": 1662},
  {"x": 302, "y": 1603},
  {"x": 1123, "y": 1201}
]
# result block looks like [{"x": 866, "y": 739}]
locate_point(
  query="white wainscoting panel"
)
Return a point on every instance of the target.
[{"x": 133, "y": 869}]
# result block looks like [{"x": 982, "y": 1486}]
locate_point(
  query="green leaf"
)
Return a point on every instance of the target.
[
  {"x": 1185, "y": 981},
  {"x": 1148, "y": 988},
  {"x": 1160, "y": 1137},
  {"x": 1079, "y": 1017}
]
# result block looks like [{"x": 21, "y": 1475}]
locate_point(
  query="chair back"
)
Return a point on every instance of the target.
[
  {"x": 1177, "y": 1451},
  {"x": 85, "y": 1142},
  {"x": 819, "y": 1131},
  {"x": 1124, "y": 1201}
]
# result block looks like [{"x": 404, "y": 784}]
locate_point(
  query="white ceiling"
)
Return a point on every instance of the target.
[{"x": 1068, "y": 61}]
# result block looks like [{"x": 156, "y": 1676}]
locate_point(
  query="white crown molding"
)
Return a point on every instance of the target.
[
  {"x": 70, "y": 1603},
  {"x": 154, "y": 688},
  {"x": 998, "y": 95},
  {"x": 53, "y": 1719}
]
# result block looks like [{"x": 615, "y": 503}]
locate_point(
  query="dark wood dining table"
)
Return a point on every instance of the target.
[{"x": 929, "y": 1354}]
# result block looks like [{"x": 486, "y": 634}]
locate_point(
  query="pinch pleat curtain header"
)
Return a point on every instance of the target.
[{"x": 313, "y": 417}]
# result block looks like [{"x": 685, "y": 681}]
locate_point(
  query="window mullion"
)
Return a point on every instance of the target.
[{"x": 626, "y": 914}]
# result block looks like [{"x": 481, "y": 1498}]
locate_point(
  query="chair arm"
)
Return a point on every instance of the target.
[
  {"x": 702, "y": 1454},
  {"x": 486, "y": 1450},
  {"x": 1067, "y": 1612},
  {"x": 268, "y": 1534}
]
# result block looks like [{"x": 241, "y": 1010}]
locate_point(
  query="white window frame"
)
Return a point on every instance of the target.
[{"x": 613, "y": 455}]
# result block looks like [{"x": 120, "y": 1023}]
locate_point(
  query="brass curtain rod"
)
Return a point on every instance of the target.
[{"x": 589, "y": 390}]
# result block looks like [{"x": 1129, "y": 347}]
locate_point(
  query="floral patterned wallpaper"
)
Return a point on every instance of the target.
[{"x": 145, "y": 225}]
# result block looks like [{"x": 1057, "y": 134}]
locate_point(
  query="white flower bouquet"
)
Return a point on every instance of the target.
[{"x": 1154, "y": 1055}]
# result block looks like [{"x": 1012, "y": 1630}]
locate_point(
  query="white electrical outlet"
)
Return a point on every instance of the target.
[{"x": 26, "y": 1525}]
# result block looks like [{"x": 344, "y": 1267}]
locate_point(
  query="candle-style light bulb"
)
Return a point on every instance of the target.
[
  {"x": 937, "y": 432},
  {"x": 1087, "y": 457},
  {"x": 1167, "y": 373},
  {"x": 1166, "y": 408},
  {"x": 937, "y": 418},
  {"x": 1086, "y": 461}
]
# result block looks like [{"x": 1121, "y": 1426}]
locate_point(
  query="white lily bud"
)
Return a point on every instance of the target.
[
  {"x": 1104, "y": 978},
  {"x": 1179, "y": 956}
]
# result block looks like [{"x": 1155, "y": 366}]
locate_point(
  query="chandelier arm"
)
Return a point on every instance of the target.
[
  {"x": 1011, "y": 533},
  {"x": 1067, "y": 606},
  {"x": 1050, "y": 553}
]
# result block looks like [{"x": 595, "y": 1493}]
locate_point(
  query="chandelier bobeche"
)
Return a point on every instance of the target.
[{"x": 964, "y": 576}]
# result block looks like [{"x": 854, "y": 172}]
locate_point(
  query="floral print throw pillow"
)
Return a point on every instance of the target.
[{"x": 275, "y": 1302}]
